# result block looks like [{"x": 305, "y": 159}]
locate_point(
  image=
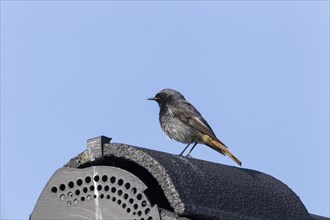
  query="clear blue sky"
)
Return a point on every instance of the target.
[{"x": 257, "y": 71}]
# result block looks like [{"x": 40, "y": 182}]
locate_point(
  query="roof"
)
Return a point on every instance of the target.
[{"x": 197, "y": 189}]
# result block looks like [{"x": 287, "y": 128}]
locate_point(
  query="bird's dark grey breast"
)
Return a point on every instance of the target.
[{"x": 173, "y": 127}]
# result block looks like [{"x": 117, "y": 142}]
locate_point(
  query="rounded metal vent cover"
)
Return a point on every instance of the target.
[{"x": 101, "y": 192}]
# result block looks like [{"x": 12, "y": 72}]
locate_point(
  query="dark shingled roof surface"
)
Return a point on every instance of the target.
[{"x": 200, "y": 189}]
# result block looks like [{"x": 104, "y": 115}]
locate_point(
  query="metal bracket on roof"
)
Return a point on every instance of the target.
[{"x": 95, "y": 147}]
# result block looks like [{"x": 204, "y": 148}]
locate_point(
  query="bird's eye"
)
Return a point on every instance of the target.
[{"x": 161, "y": 95}]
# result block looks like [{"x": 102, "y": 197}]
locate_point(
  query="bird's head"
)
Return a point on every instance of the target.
[{"x": 166, "y": 95}]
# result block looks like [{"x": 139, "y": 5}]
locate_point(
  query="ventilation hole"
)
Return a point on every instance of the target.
[
  {"x": 113, "y": 179},
  {"x": 124, "y": 205},
  {"x": 77, "y": 192},
  {"x": 102, "y": 196},
  {"x": 135, "y": 206},
  {"x": 125, "y": 196},
  {"x": 113, "y": 189},
  {"x": 150, "y": 218},
  {"x": 91, "y": 188},
  {"x": 54, "y": 189},
  {"x": 62, "y": 187},
  {"x": 106, "y": 188},
  {"x": 79, "y": 182},
  {"x": 131, "y": 200},
  {"x": 108, "y": 196},
  {"x": 139, "y": 196},
  {"x": 120, "y": 192},
  {"x": 133, "y": 190},
  {"x": 99, "y": 187},
  {"x": 113, "y": 199},
  {"x": 127, "y": 185},
  {"x": 95, "y": 196},
  {"x": 70, "y": 194},
  {"x": 82, "y": 198},
  {"x": 75, "y": 201},
  {"x": 71, "y": 184},
  {"x": 134, "y": 213},
  {"x": 139, "y": 213},
  {"x": 119, "y": 201},
  {"x": 120, "y": 182},
  {"x": 104, "y": 178},
  {"x": 147, "y": 211},
  {"x": 96, "y": 178},
  {"x": 87, "y": 179},
  {"x": 62, "y": 197},
  {"x": 143, "y": 203},
  {"x": 128, "y": 210},
  {"x": 69, "y": 203},
  {"x": 85, "y": 189},
  {"x": 141, "y": 218},
  {"x": 88, "y": 197}
]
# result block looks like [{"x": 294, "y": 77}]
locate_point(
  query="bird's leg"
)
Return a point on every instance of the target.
[
  {"x": 191, "y": 149},
  {"x": 184, "y": 149}
]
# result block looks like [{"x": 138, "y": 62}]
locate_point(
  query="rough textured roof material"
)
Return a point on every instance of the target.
[{"x": 195, "y": 188}]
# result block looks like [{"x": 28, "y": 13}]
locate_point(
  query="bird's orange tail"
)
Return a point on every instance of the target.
[{"x": 220, "y": 147}]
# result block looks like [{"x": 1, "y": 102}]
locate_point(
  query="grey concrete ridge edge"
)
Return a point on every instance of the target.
[{"x": 142, "y": 158}]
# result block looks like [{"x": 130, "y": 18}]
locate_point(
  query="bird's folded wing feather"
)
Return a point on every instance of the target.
[{"x": 189, "y": 115}]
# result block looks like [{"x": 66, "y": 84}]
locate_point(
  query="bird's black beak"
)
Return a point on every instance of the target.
[{"x": 153, "y": 98}]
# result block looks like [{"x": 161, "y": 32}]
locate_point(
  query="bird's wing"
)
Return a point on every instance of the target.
[{"x": 189, "y": 115}]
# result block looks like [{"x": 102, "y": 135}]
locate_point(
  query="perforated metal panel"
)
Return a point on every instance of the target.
[{"x": 100, "y": 192}]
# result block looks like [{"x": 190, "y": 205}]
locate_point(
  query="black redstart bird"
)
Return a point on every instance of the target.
[{"x": 181, "y": 121}]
